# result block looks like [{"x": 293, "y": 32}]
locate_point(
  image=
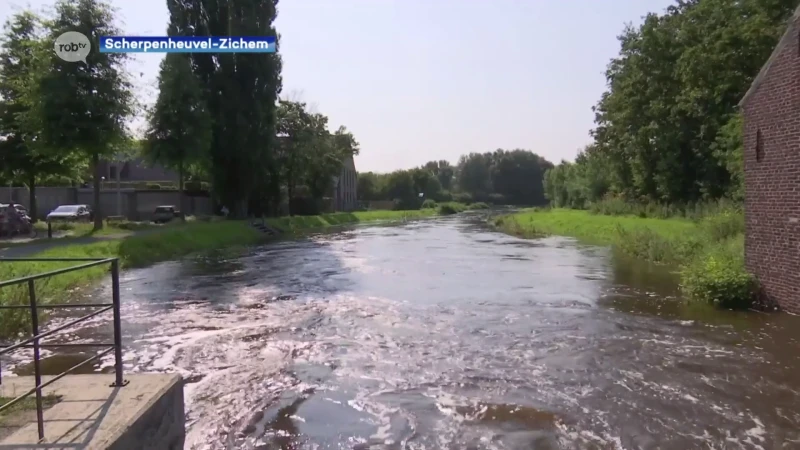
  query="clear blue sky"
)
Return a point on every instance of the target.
[{"x": 418, "y": 80}]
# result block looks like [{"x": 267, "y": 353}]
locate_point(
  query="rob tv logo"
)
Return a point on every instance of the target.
[{"x": 73, "y": 46}]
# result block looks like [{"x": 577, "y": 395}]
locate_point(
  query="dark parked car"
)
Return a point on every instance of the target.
[
  {"x": 164, "y": 214},
  {"x": 71, "y": 213}
]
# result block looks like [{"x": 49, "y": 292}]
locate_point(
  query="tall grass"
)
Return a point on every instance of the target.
[
  {"x": 617, "y": 206},
  {"x": 305, "y": 223},
  {"x": 174, "y": 242},
  {"x": 707, "y": 243}
]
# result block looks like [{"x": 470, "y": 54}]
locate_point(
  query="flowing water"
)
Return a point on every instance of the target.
[{"x": 443, "y": 334}]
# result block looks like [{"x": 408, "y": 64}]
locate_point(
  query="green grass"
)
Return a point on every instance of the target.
[
  {"x": 176, "y": 241},
  {"x": 709, "y": 250},
  {"x": 596, "y": 229},
  {"x": 306, "y": 223}
]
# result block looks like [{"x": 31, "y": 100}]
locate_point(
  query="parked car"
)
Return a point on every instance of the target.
[
  {"x": 164, "y": 214},
  {"x": 71, "y": 213}
]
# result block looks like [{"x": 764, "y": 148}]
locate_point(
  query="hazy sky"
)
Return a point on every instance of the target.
[{"x": 418, "y": 80}]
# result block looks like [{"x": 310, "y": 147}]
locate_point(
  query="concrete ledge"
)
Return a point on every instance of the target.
[{"x": 148, "y": 413}]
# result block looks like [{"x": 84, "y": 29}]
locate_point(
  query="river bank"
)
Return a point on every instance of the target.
[
  {"x": 152, "y": 246},
  {"x": 709, "y": 252}
]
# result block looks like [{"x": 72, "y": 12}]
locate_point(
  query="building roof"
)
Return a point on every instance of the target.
[{"x": 785, "y": 40}]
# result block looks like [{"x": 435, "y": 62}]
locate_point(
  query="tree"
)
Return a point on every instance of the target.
[
  {"x": 179, "y": 124},
  {"x": 400, "y": 187},
  {"x": 518, "y": 176},
  {"x": 425, "y": 182},
  {"x": 673, "y": 90},
  {"x": 85, "y": 107},
  {"x": 443, "y": 171},
  {"x": 473, "y": 174},
  {"x": 22, "y": 153},
  {"x": 296, "y": 131},
  {"x": 368, "y": 186},
  {"x": 241, "y": 91}
]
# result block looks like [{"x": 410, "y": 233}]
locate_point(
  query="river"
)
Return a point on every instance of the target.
[{"x": 443, "y": 334}]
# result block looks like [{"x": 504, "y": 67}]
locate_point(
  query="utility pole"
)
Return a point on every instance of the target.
[{"x": 119, "y": 193}]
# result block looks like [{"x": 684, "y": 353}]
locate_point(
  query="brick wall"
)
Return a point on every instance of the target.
[{"x": 772, "y": 176}]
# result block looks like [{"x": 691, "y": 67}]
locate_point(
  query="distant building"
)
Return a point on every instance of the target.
[
  {"x": 771, "y": 110},
  {"x": 345, "y": 196},
  {"x": 136, "y": 169}
]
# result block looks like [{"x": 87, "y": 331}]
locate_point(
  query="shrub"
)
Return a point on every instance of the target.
[
  {"x": 478, "y": 205},
  {"x": 647, "y": 244},
  {"x": 619, "y": 206},
  {"x": 612, "y": 206},
  {"x": 444, "y": 196},
  {"x": 718, "y": 276},
  {"x": 723, "y": 226},
  {"x": 449, "y": 208},
  {"x": 153, "y": 186},
  {"x": 462, "y": 197},
  {"x": 429, "y": 204}
]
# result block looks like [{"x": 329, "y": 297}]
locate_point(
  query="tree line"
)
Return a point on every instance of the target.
[
  {"x": 667, "y": 129},
  {"x": 217, "y": 118},
  {"x": 499, "y": 177}
]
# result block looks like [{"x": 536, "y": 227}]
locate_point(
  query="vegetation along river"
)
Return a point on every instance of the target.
[{"x": 444, "y": 334}]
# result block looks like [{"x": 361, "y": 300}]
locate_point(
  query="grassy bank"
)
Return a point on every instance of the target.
[
  {"x": 449, "y": 208},
  {"x": 709, "y": 250},
  {"x": 305, "y": 223}
]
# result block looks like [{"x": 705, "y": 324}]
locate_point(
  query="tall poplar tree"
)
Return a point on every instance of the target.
[{"x": 241, "y": 91}]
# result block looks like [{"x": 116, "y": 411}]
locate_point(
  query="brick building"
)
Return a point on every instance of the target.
[
  {"x": 771, "y": 110},
  {"x": 345, "y": 196}
]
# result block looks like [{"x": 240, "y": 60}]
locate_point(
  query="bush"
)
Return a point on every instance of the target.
[
  {"x": 152, "y": 186},
  {"x": 718, "y": 276},
  {"x": 619, "y": 206},
  {"x": 444, "y": 196},
  {"x": 478, "y": 205},
  {"x": 429, "y": 204},
  {"x": 647, "y": 244},
  {"x": 462, "y": 197},
  {"x": 446, "y": 209}
]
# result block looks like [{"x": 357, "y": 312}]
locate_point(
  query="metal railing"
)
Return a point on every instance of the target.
[{"x": 34, "y": 341}]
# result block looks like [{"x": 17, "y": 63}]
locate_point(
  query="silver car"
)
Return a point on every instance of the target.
[{"x": 70, "y": 213}]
